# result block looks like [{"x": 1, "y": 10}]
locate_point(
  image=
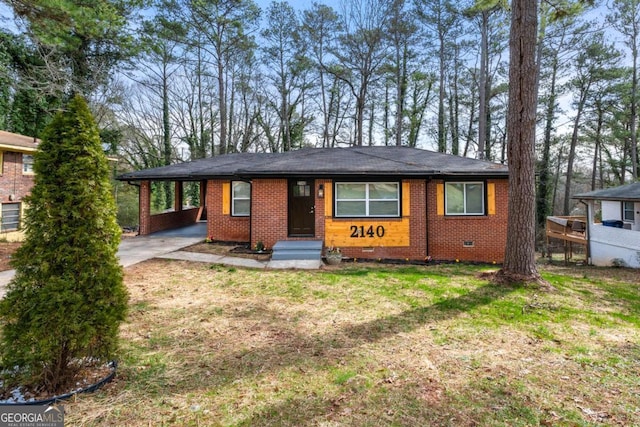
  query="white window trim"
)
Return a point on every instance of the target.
[
  {"x": 233, "y": 199},
  {"x": 633, "y": 213},
  {"x": 367, "y": 200},
  {"x": 24, "y": 165},
  {"x": 19, "y": 218},
  {"x": 464, "y": 198}
]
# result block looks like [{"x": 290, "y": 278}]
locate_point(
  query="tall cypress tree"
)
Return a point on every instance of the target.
[{"x": 67, "y": 300}]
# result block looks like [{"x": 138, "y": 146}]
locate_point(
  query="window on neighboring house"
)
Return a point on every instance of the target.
[
  {"x": 464, "y": 198},
  {"x": 240, "y": 198},
  {"x": 10, "y": 217},
  {"x": 27, "y": 163},
  {"x": 628, "y": 211},
  {"x": 367, "y": 199}
]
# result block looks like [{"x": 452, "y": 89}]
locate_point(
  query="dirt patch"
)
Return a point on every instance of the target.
[
  {"x": 7, "y": 250},
  {"x": 240, "y": 250}
]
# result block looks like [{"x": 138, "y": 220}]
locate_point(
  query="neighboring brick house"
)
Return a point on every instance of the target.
[
  {"x": 372, "y": 202},
  {"x": 16, "y": 180}
]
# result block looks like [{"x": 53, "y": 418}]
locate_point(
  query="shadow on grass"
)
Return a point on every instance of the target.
[
  {"x": 286, "y": 347},
  {"x": 412, "y": 319},
  {"x": 269, "y": 352}
]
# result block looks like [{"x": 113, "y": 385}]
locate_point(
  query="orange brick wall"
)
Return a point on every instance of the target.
[
  {"x": 417, "y": 231},
  {"x": 12, "y": 181},
  {"x": 221, "y": 226},
  {"x": 488, "y": 233}
]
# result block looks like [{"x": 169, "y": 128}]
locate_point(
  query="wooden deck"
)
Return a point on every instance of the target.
[{"x": 569, "y": 229}]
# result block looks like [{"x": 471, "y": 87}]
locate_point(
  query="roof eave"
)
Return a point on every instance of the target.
[
  {"x": 608, "y": 198},
  {"x": 17, "y": 148}
]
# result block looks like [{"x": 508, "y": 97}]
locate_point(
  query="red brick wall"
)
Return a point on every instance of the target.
[
  {"x": 165, "y": 221},
  {"x": 221, "y": 226},
  {"x": 169, "y": 220},
  {"x": 488, "y": 233},
  {"x": 12, "y": 181},
  {"x": 270, "y": 211},
  {"x": 441, "y": 237},
  {"x": 269, "y": 204}
]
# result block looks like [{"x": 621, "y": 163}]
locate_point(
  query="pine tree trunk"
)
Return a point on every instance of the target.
[{"x": 520, "y": 263}]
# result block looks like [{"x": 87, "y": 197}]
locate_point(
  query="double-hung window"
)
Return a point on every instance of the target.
[
  {"x": 10, "y": 216},
  {"x": 240, "y": 198},
  {"x": 464, "y": 198},
  {"x": 628, "y": 211},
  {"x": 27, "y": 164},
  {"x": 367, "y": 199}
]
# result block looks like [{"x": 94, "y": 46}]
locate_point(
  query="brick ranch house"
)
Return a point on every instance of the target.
[
  {"x": 371, "y": 202},
  {"x": 16, "y": 180}
]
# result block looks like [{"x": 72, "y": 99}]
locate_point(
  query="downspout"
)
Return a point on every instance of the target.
[
  {"x": 426, "y": 214},
  {"x": 250, "y": 213},
  {"x": 588, "y": 232}
]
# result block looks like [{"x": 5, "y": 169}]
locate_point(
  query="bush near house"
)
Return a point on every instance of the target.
[{"x": 67, "y": 299}]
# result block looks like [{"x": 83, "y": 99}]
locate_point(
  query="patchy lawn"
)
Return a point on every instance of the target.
[{"x": 372, "y": 345}]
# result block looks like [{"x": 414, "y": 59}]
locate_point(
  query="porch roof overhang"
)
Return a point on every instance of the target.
[
  {"x": 623, "y": 193},
  {"x": 355, "y": 162}
]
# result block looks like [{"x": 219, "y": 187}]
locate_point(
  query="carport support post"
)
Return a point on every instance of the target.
[
  {"x": 144, "y": 199},
  {"x": 178, "y": 196},
  {"x": 203, "y": 200}
]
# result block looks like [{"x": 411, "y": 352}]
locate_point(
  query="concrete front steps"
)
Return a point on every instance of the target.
[{"x": 298, "y": 252}]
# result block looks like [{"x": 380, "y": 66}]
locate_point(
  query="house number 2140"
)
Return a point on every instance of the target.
[{"x": 361, "y": 231}]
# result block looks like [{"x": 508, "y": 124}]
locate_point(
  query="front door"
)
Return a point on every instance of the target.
[{"x": 302, "y": 208}]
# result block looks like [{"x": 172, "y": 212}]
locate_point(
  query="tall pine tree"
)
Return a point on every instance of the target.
[{"x": 67, "y": 300}]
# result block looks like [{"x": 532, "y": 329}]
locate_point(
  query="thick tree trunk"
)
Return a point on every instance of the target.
[{"x": 520, "y": 262}]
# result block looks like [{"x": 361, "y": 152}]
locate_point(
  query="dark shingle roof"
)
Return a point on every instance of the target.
[
  {"x": 628, "y": 193},
  {"x": 325, "y": 162}
]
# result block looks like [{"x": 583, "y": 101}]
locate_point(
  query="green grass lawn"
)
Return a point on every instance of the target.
[{"x": 371, "y": 345}]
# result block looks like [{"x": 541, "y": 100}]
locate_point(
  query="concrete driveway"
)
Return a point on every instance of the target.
[
  {"x": 167, "y": 244},
  {"x": 141, "y": 248}
]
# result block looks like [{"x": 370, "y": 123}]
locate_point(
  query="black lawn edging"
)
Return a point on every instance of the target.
[{"x": 62, "y": 397}]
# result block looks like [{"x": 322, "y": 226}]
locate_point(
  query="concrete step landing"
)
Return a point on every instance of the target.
[{"x": 287, "y": 250}]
